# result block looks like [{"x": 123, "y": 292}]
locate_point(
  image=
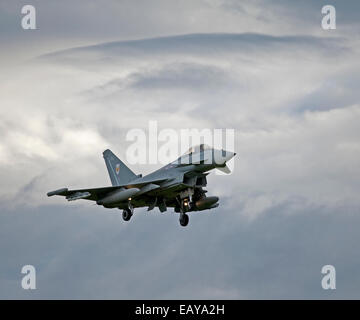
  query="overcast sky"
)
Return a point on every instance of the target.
[{"x": 93, "y": 70}]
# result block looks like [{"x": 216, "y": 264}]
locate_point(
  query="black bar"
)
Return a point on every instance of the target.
[{"x": 176, "y": 309}]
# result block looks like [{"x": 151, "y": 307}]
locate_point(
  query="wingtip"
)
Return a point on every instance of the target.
[{"x": 59, "y": 192}]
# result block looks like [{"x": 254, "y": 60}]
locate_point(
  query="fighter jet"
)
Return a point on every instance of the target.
[{"x": 179, "y": 185}]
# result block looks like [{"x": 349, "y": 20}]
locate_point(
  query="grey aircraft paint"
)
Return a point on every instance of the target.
[{"x": 179, "y": 185}]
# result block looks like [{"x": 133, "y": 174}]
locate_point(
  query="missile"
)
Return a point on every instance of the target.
[
  {"x": 78, "y": 195},
  {"x": 117, "y": 196},
  {"x": 207, "y": 203}
]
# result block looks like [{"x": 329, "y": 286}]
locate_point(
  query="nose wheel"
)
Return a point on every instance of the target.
[
  {"x": 184, "y": 219},
  {"x": 128, "y": 212}
]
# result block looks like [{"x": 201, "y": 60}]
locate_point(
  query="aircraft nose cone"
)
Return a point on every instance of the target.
[
  {"x": 222, "y": 156},
  {"x": 229, "y": 155}
]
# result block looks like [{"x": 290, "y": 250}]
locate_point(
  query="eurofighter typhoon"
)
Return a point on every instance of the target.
[{"x": 179, "y": 185}]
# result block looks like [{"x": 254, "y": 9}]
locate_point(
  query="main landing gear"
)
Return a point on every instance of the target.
[{"x": 128, "y": 212}]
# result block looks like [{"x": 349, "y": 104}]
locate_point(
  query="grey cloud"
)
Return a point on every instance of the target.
[
  {"x": 290, "y": 206},
  {"x": 335, "y": 92},
  {"x": 277, "y": 256},
  {"x": 177, "y": 76},
  {"x": 89, "y": 22},
  {"x": 186, "y": 76},
  {"x": 182, "y": 69},
  {"x": 346, "y": 11},
  {"x": 248, "y": 91},
  {"x": 210, "y": 44}
]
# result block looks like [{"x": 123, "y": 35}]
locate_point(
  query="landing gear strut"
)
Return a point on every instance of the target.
[
  {"x": 128, "y": 212},
  {"x": 183, "y": 208}
]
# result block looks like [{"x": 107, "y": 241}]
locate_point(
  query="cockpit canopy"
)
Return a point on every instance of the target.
[{"x": 198, "y": 148}]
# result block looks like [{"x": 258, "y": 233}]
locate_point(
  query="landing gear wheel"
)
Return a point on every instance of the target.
[
  {"x": 126, "y": 214},
  {"x": 184, "y": 219}
]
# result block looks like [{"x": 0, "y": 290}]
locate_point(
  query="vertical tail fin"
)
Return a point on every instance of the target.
[{"x": 119, "y": 173}]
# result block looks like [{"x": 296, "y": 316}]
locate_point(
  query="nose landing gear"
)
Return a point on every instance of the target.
[
  {"x": 184, "y": 219},
  {"x": 128, "y": 212},
  {"x": 184, "y": 207}
]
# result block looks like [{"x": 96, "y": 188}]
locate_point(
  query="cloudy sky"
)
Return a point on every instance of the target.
[{"x": 93, "y": 70}]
